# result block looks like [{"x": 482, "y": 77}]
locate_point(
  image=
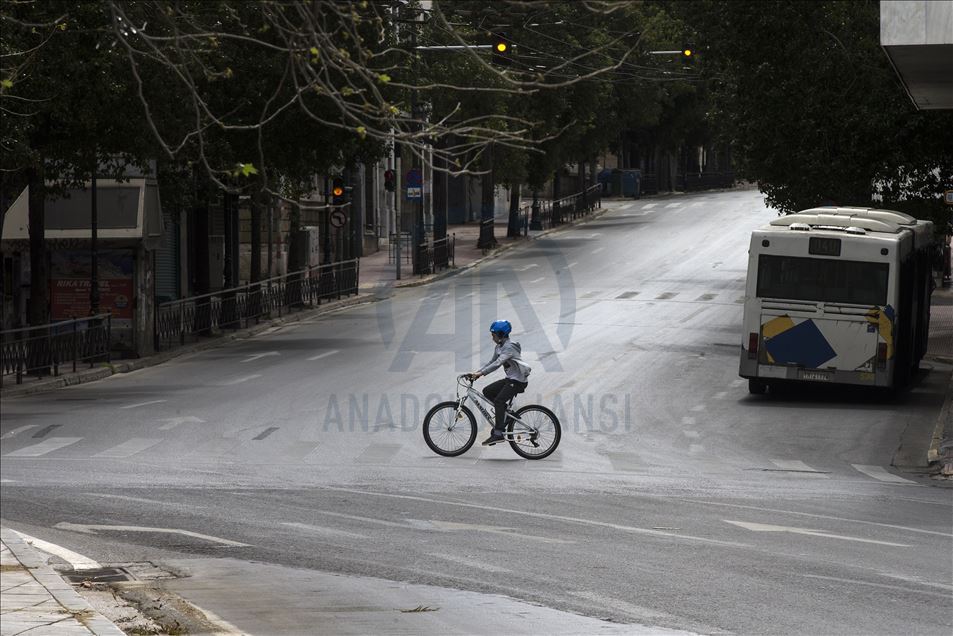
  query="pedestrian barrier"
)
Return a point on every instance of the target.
[
  {"x": 180, "y": 321},
  {"x": 43, "y": 350},
  {"x": 436, "y": 255},
  {"x": 550, "y": 213}
]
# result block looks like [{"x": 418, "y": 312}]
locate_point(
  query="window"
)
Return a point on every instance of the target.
[{"x": 822, "y": 280}]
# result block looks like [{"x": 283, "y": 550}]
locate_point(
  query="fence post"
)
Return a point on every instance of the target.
[
  {"x": 74, "y": 346},
  {"x": 109, "y": 338}
]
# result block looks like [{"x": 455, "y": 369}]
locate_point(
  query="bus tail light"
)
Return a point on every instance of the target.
[
  {"x": 882, "y": 355},
  {"x": 752, "y": 346}
]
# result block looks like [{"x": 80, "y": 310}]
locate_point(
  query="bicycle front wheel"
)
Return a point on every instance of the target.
[
  {"x": 542, "y": 436},
  {"x": 449, "y": 431}
]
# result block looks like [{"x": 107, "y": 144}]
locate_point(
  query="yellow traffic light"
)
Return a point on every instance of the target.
[
  {"x": 687, "y": 52},
  {"x": 501, "y": 47}
]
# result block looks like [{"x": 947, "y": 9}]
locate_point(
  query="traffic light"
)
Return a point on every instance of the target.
[
  {"x": 338, "y": 191},
  {"x": 502, "y": 50},
  {"x": 390, "y": 180},
  {"x": 689, "y": 54}
]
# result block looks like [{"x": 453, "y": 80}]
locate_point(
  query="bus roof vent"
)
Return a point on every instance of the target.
[
  {"x": 801, "y": 227},
  {"x": 855, "y": 230}
]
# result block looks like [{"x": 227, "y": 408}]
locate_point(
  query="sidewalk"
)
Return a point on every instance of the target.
[
  {"x": 377, "y": 277},
  {"x": 36, "y": 600}
]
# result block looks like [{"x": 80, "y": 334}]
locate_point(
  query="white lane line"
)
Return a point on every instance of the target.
[
  {"x": 698, "y": 408},
  {"x": 44, "y": 447},
  {"x": 885, "y": 586},
  {"x": 532, "y": 282},
  {"x": 649, "y": 206},
  {"x": 322, "y": 530},
  {"x": 135, "y": 406},
  {"x": 155, "y": 502},
  {"x": 75, "y": 559},
  {"x": 721, "y": 395},
  {"x": 17, "y": 431},
  {"x": 240, "y": 380},
  {"x": 542, "y": 515},
  {"x": 674, "y": 205},
  {"x": 470, "y": 563},
  {"x": 172, "y": 422},
  {"x": 597, "y": 250},
  {"x": 625, "y": 206},
  {"x": 257, "y": 356},
  {"x": 763, "y": 527},
  {"x": 323, "y": 355},
  {"x": 594, "y": 235},
  {"x": 528, "y": 267},
  {"x": 380, "y": 522},
  {"x": 128, "y": 448},
  {"x": 92, "y": 528},
  {"x": 571, "y": 265},
  {"x": 797, "y": 466},
  {"x": 697, "y": 203},
  {"x": 880, "y": 473}
]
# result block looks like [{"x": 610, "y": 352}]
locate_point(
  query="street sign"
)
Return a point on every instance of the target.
[
  {"x": 414, "y": 178},
  {"x": 415, "y": 194},
  {"x": 338, "y": 218},
  {"x": 948, "y": 197}
]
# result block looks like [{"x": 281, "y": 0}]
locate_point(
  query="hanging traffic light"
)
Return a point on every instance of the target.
[{"x": 501, "y": 50}]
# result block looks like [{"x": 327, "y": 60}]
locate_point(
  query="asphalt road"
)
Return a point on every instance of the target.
[{"x": 676, "y": 499}]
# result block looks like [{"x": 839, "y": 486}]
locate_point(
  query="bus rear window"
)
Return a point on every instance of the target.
[{"x": 822, "y": 280}]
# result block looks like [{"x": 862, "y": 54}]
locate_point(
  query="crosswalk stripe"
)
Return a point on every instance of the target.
[
  {"x": 44, "y": 447},
  {"x": 674, "y": 205},
  {"x": 880, "y": 473},
  {"x": 649, "y": 206},
  {"x": 128, "y": 448},
  {"x": 795, "y": 465}
]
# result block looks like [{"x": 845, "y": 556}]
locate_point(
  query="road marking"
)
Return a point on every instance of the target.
[
  {"x": 694, "y": 449},
  {"x": 597, "y": 250},
  {"x": 673, "y": 205},
  {"x": 625, "y": 206},
  {"x": 692, "y": 434},
  {"x": 721, "y": 395},
  {"x": 378, "y": 454},
  {"x": 46, "y": 430},
  {"x": 571, "y": 265},
  {"x": 688, "y": 421},
  {"x": 17, "y": 431},
  {"x": 92, "y": 528},
  {"x": 533, "y": 282},
  {"x": 44, "y": 447},
  {"x": 942, "y": 595},
  {"x": 128, "y": 448},
  {"x": 258, "y": 356},
  {"x": 797, "y": 466},
  {"x": 817, "y": 516},
  {"x": 471, "y": 563},
  {"x": 323, "y": 355},
  {"x": 75, "y": 559},
  {"x": 649, "y": 206},
  {"x": 172, "y": 422},
  {"x": 697, "y": 203},
  {"x": 322, "y": 529},
  {"x": 594, "y": 235},
  {"x": 528, "y": 267},
  {"x": 880, "y": 473},
  {"x": 380, "y": 522},
  {"x": 762, "y": 527},
  {"x": 542, "y": 515},
  {"x": 240, "y": 380},
  {"x": 144, "y": 500},
  {"x": 452, "y": 526},
  {"x": 698, "y": 408},
  {"x": 135, "y": 406}
]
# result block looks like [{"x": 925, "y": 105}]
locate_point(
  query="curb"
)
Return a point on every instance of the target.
[
  {"x": 92, "y": 375},
  {"x": 59, "y": 589},
  {"x": 943, "y": 431}
]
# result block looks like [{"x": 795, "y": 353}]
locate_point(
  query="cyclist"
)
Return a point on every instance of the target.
[{"x": 506, "y": 355}]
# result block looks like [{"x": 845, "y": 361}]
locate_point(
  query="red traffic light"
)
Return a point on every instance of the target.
[{"x": 337, "y": 191}]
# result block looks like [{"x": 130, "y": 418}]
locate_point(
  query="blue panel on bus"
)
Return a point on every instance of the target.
[{"x": 802, "y": 344}]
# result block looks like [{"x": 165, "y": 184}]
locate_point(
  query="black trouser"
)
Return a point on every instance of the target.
[{"x": 501, "y": 392}]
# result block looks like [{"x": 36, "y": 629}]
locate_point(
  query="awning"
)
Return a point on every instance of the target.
[{"x": 126, "y": 210}]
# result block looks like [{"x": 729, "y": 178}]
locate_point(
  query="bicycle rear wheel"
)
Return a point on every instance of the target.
[
  {"x": 448, "y": 432},
  {"x": 545, "y": 436}
]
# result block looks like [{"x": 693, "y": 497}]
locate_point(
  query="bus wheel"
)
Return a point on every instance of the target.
[{"x": 757, "y": 387}]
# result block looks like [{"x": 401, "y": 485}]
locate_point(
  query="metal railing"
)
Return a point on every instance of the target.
[
  {"x": 563, "y": 210},
  {"x": 436, "y": 255},
  {"x": 45, "y": 349},
  {"x": 180, "y": 321}
]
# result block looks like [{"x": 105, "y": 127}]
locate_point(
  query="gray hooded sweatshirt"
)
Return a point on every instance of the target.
[{"x": 507, "y": 355}]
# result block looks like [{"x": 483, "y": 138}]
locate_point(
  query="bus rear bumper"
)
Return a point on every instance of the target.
[{"x": 752, "y": 369}]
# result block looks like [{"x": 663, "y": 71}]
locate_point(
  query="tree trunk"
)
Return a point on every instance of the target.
[
  {"x": 257, "y": 201},
  {"x": 557, "y": 216},
  {"x": 487, "y": 204},
  {"x": 38, "y": 312},
  {"x": 514, "y": 227}
]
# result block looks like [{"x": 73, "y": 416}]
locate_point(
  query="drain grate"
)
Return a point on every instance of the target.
[{"x": 101, "y": 575}]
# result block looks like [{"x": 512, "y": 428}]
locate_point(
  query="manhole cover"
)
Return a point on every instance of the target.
[{"x": 102, "y": 575}]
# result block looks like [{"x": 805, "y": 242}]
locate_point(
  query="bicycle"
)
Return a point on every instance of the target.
[{"x": 532, "y": 431}]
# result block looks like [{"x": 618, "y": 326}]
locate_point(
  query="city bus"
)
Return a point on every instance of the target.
[{"x": 837, "y": 295}]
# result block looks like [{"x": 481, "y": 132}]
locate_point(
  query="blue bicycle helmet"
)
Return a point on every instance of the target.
[{"x": 501, "y": 327}]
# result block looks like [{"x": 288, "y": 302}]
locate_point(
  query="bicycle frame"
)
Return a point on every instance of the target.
[{"x": 480, "y": 400}]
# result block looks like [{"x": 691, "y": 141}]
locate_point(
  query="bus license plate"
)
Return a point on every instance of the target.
[{"x": 817, "y": 376}]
